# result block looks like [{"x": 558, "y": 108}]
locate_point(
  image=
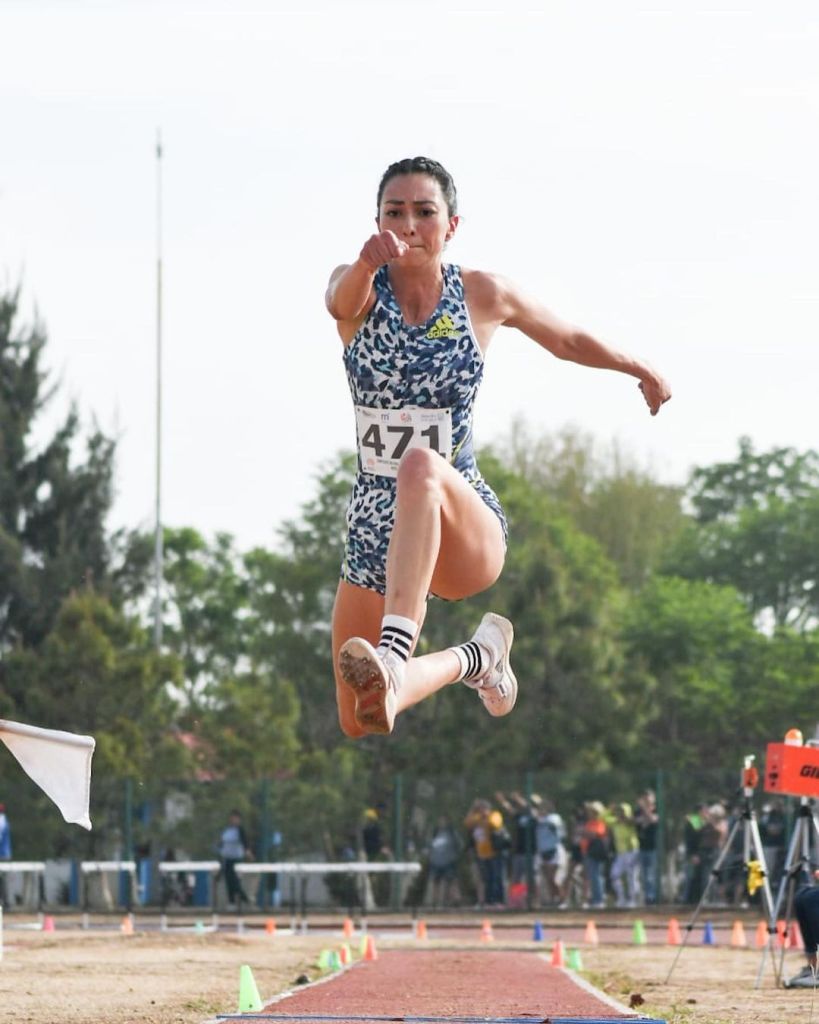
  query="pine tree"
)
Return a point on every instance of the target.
[{"x": 53, "y": 504}]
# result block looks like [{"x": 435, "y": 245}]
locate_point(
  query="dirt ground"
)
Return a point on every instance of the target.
[{"x": 179, "y": 977}]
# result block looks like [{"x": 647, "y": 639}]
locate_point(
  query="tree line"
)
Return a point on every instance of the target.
[{"x": 658, "y": 627}]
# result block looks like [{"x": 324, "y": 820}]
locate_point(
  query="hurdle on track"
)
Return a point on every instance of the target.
[
  {"x": 34, "y": 868},
  {"x": 300, "y": 871},
  {"x": 101, "y": 867},
  {"x": 171, "y": 867}
]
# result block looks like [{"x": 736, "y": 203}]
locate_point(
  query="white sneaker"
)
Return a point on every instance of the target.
[
  {"x": 497, "y": 688},
  {"x": 374, "y": 683},
  {"x": 806, "y": 978}
]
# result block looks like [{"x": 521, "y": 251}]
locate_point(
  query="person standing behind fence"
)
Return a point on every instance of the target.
[
  {"x": 647, "y": 821},
  {"x": 550, "y": 833},
  {"x": 520, "y": 812},
  {"x": 233, "y": 849},
  {"x": 694, "y": 881},
  {"x": 443, "y": 853},
  {"x": 713, "y": 835},
  {"x": 5, "y": 834},
  {"x": 487, "y": 830},
  {"x": 596, "y": 846},
  {"x": 377, "y": 886},
  {"x": 772, "y": 829},
  {"x": 575, "y": 884},
  {"x": 372, "y": 838},
  {"x": 625, "y": 868},
  {"x": 5, "y": 849}
]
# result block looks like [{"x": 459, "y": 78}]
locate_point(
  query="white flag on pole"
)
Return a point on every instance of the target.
[{"x": 59, "y": 762}]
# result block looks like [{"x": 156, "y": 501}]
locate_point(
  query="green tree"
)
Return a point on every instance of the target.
[
  {"x": 252, "y": 632},
  {"x": 695, "y": 649},
  {"x": 249, "y": 727},
  {"x": 205, "y": 602},
  {"x": 780, "y": 690},
  {"x": 290, "y": 603},
  {"x": 631, "y": 514},
  {"x": 757, "y": 528},
  {"x": 752, "y": 481},
  {"x": 52, "y": 505},
  {"x": 97, "y": 673}
]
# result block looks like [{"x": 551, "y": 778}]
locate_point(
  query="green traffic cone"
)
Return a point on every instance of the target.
[
  {"x": 574, "y": 963},
  {"x": 639, "y": 933},
  {"x": 249, "y": 999},
  {"x": 325, "y": 960},
  {"x": 335, "y": 961}
]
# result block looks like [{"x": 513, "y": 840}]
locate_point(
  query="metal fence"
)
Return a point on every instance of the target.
[{"x": 151, "y": 821}]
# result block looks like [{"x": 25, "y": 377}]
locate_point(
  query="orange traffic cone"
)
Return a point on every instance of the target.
[
  {"x": 270, "y": 926},
  {"x": 590, "y": 936},
  {"x": 557, "y": 954},
  {"x": 370, "y": 952},
  {"x": 781, "y": 934},
  {"x": 738, "y": 939},
  {"x": 420, "y": 930},
  {"x": 795, "y": 937},
  {"x": 344, "y": 954},
  {"x": 127, "y": 926},
  {"x": 347, "y": 927},
  {"x": 48, "y": 923},
  {"x": 674, "y": 936},
  {"x": 486, "y": 931},
  {"x": 762, "y": 934}
]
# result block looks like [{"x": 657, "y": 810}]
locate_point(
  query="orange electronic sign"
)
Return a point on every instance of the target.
[{"x": 792, "y": 770}]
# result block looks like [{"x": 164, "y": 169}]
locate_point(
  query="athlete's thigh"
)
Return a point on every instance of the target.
[{"x": 472, "y": 543}]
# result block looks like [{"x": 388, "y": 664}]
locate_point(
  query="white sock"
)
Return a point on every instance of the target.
[
  {"x": 397, "y": 636},
  {"x": 473, "y": 659}
]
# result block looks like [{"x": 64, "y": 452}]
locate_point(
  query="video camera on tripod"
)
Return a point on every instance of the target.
[{"x": 791, "y": 769}]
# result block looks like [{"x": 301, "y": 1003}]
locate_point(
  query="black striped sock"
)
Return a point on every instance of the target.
[
  {"x": 473, "y": 658},
  {"x": 397, "y": 636}
]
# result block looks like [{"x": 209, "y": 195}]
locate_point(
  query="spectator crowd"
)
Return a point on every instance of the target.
[{"x": 516, "y": 851}]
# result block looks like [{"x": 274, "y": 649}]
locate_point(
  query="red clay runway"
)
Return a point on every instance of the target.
[{"x": 411, "y": 983}]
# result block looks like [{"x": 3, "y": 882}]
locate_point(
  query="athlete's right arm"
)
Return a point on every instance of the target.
[{"x": 350, "y": 291}]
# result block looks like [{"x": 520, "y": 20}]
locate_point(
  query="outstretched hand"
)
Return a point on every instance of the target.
[
  {"x": 381, "y": 248},
  {"x": 655, "y": 391}
]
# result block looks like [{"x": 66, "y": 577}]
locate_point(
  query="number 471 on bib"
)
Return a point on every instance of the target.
[{"x": 385, "y": 434}]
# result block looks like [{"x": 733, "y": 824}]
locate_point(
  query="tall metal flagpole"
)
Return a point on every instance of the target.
[{"x": 158, "y": 528}]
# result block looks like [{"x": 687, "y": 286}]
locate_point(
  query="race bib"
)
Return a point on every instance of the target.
[{"x": 385, "y": 434}]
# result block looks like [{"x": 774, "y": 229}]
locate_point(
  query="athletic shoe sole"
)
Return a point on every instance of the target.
[{"x": 366, "y": 675}]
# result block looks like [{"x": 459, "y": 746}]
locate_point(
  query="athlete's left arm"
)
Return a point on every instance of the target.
[{"x": 566, "y": 341}]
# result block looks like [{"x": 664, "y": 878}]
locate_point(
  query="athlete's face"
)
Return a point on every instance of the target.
[{"x": 414, "y": 208}]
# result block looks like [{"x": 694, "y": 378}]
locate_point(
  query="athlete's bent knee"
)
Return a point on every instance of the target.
[{"x": 419, "y": 472}]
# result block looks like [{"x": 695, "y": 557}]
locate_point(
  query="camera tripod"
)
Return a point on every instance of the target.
[
  {"x": 754, "y": 866},
  {"x": 798, "y": 867}
]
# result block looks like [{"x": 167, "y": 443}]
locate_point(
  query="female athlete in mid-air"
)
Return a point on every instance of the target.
[{"x": 421, "y": 519}]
